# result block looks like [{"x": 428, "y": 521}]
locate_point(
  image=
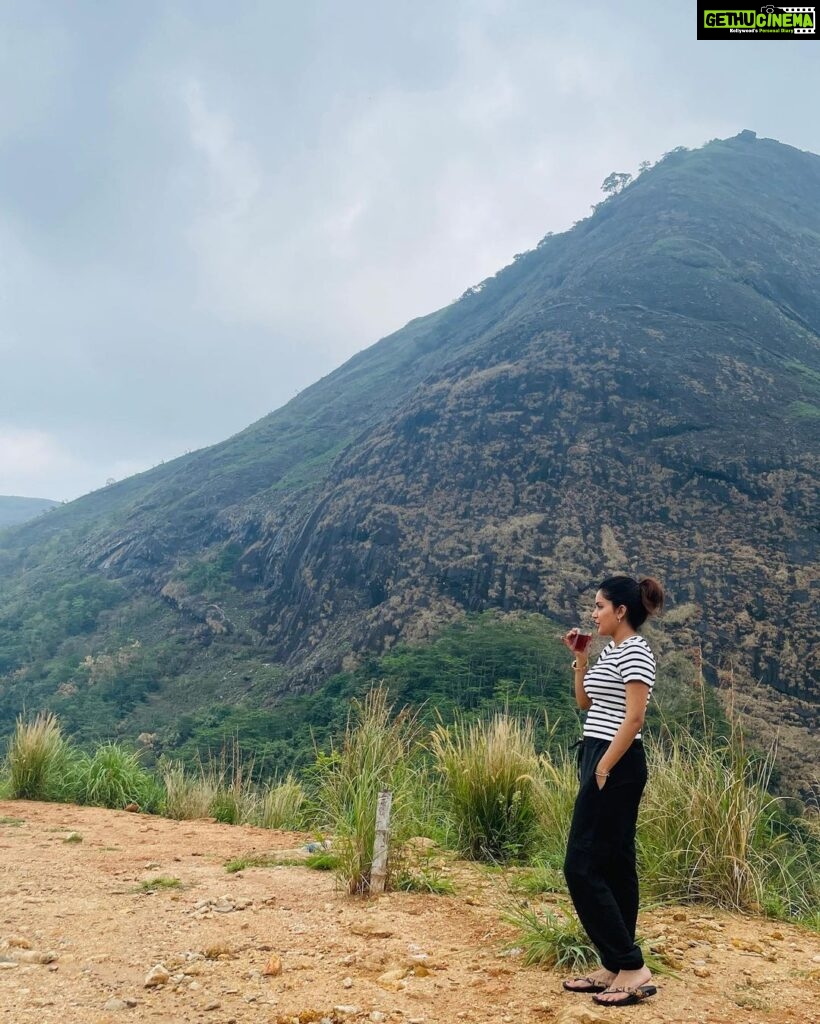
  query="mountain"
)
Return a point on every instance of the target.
[
  {"x": 19, "y": 510},
  {"x": 640, "y": 393}
]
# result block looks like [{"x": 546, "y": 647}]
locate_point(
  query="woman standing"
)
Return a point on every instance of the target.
[{"x": 600, "y": 861}]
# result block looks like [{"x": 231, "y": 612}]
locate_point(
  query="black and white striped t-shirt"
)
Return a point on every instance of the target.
[{"x": 605, "y": 684}]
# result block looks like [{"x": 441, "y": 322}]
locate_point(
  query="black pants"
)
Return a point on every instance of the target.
[{"x": 600, "y": 863}]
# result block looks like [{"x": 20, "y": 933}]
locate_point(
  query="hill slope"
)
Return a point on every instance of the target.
[
  {"x": 18, "y": 510},
  {"x": 641, "y": 393}
]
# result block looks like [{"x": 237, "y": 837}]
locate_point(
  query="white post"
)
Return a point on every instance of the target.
[{"x": 378, "y": 872}]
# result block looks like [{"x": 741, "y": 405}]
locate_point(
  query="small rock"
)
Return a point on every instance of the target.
[
  {"x": 34, "y": 956},
  {"x": 393, "y": 980},
  {"x": 372, "y": 929},
  {"x": 157, "y": 976},
  {"x": 116, "y": 1004},
  {"x": 132, "y": 808},
  {"x": 17, "y": 942},
  {"x": 378, "y": 1017},
  {"x": 211, "y": 1006},
  {"x": 679, "y": 916},
  {"x": 346, "y": 1010},
  {"x": 582, "y": 1014},
  {"x": 273, "y": 968},
  {"x": 702, "y": 972},
  {"x": 347, "y": 983},
  {"x": 6, "y": 965}
]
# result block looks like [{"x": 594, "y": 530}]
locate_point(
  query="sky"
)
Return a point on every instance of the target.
[{"x": 207, "y": 206}]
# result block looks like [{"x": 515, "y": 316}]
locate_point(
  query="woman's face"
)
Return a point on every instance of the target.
[{"x": 604, "y": 615}]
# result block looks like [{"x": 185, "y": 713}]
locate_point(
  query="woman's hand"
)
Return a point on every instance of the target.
[
  {"x": 569, "y": 641},
  {"x": 601, "y": 777}
]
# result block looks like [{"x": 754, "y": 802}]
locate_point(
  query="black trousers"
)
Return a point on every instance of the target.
[{"x": 600, "y": 862}]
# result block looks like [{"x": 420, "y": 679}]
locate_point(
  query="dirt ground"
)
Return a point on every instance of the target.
[{"x": 79, "y": 938}]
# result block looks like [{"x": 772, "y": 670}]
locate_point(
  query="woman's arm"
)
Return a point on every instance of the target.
[
  {"x": 624, "y": 737},
  {"x": 581, "y": 699}
]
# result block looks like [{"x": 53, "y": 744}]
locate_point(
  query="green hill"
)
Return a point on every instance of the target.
[
  {"x": 641, "y": 392},
  {"x": 20, "y": 510}
]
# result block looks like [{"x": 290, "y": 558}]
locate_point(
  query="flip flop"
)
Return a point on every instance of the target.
[
  {"x": 590, "y": 986},
  {"x": 633, "y": 996}
]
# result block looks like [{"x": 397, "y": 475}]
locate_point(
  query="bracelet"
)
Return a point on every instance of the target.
[
  {"x": 580, "y": 668},
  {"x": 603, "y": 775}
]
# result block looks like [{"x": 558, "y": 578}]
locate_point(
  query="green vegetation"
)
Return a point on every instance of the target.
[
  {"x": 375, "y": 755},
  {"x": 38, "y": 759},
  {"x": 551, "y": 940},
  {"x": 158, "y": 883},
  {"x": 113, "y": 777},
  {"x": 424, "y": 880},
  {"x": 710, "y": 830},
  {"x": 491, "y": 780}
]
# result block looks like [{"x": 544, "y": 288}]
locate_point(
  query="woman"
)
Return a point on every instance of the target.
[{"x": 600, "y": 861}]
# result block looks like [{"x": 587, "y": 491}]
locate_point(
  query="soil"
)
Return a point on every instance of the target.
[{"x": 80, "y": 933}]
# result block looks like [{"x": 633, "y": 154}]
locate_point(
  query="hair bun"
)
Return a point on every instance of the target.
[{"x": 651, "y": 595}]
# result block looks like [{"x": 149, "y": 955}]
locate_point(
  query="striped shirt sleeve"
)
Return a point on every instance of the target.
[{"x": 636, "y": 663}]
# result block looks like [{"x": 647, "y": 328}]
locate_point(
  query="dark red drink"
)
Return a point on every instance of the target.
[{"x": 580, "y": 641}]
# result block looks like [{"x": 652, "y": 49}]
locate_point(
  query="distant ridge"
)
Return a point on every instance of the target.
[{"x": 15, "y": 510}]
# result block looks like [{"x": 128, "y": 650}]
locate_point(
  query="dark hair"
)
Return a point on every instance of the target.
[{"x": 640, "y": 599}]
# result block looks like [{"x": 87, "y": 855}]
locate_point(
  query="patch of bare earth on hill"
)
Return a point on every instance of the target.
[{"x": 80, "y": 934}]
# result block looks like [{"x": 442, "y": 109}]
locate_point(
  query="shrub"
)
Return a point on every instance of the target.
[
  {"x": 375, "y": 755},
  {"x": 38, "y": 759},
  {"x": 112, "y": 777},
  {"x": 491, "y": 785},
  {"x": 708, "y": 827},
  {"x": 280, "y": 805},
  {"x": 551, "y": 940},
  {"x": 235, "y": 796},
  {"x": 186, "y": 796}
]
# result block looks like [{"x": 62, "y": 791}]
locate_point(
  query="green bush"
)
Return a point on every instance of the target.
[
  {"x": 710, "y": 831},
  {"x": 492, "y": 785},
  {"x": 113, "y": 777},
  {"x": 551, "y": 940},
  {"x": 38, "y": 759}
]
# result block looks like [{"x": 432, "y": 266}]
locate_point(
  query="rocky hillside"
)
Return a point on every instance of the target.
[{"x": 640, "y": 393}]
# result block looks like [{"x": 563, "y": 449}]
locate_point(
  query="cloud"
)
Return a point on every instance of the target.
[
  {"x": 29, "y": 458},
  {"x": 204, "y": 209}
]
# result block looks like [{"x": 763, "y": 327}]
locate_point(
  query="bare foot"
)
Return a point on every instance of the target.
[
  {"x": 581, "y": 984},
  {"x": 625, "y": 981}
]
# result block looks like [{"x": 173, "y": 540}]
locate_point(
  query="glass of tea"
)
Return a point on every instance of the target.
[{"x": 581, "y": 640}]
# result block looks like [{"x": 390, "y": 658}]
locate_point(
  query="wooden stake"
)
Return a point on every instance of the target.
[{"x": 378, "y": 872}]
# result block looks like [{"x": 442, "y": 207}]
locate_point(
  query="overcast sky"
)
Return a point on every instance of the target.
[{"x": 206, "y": 206}]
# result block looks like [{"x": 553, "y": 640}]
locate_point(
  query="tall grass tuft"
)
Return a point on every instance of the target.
[
  {"x": 113, "y": 777},
  {"x": 375, "y": 755},
  {"x": 235, "y": 794},
  {"x": 491, "y": 785},
  {"x": 551, "y": 940},
  {"x": 187, "y": 795},
  {"x": 38, "y": 759},
  {"x": 280, "y": 805},
  {"x": 709, "y": 829}
]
